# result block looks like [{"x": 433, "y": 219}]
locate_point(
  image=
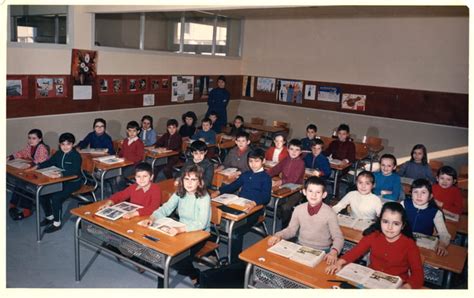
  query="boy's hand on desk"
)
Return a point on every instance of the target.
[
  {"x": 345, "y": 161},
  {"x": 131, "y": 215},
  {"x": 56, "y": 174},
  {"x": 336, "y": 267},
  {"x": 107, "y": 203},
  {"x": 274, "y": 240},
  {"x": 331, "y": 257},
  {"x": 441, "y": 250}
]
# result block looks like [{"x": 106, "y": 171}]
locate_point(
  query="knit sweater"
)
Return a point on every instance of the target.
[
  {"x": 150, "y": 200},
  {"x": 400, "y": 258},
  {"x": 450, "y": 197},
  {"x": 94, "y": 140},
  {"x": 362, "y": 206},
  {"x": 319, "y": 231},
  {"x": 148, "y": 137},
  {"x": 170, "y": 142},
  {"x": 70, "y": 163},
  {"x": 292, "y": 170},
  {"x": 133, "y": 152},
  {"x": 306, "y": 144},
  {"x": 390, "y": 183},
  {"x": 237, "y": 159},
  {"x": 41, "y": 153},
  {"x": 253, "y": 186},
  {"x": 208, "y": 136},
  {"x": 320, "y": 163},
  {"x": 187, "y": 131},
  {"x": 208, "y": 168},
  {"x": 341, "y": 150},
  {"x": 194, "y": 212},
  {"x": 415, "y": 170},
  {"x": 270, "y": 152}
]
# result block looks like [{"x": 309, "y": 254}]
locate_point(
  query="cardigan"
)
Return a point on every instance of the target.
[
  {"x": 148, "y": 138},
  {"x": 170, "y": 142},
  {"x": 400, "y": 258},
  {"x": 194, "y": 212},
  {"x": 97, "y": 141},
  {"x": 236, "y": 160},
  {"x": 341, "y": 150},
  {"x": 320, "y": 231},
  {"x": 292, "y": 170},
  {"x": 41, "y": 153},
  {"x": 391, "y": 183},
  {"x": 150, "y": 200},
  {"x": 306, "y": 144},
  {"x": 415, "y": 171},
  {"x": 283, "y": 154},
  {"x": 451, "y": 198},
  {"x": 253, "y": 186},
  {"x": 133, "y": 152},
  {"x": 320, "y": 162},
  {"x": 362, "y": 206}
]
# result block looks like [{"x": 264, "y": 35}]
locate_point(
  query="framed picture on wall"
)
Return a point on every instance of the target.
[
  {"x": 310, "y": 92},
  {"x": 17, "y": 87},
  {"x": 330, "y": 94},
  {"x": 355, "y": 102},
  {"x": 266, "y": 84},
  {"x": 51, "y": 86},
  {"x": 137, "y": 85},
  {"x": 109, "y": 85},
  {"x": 290, "y": 91},
  {"x": 159, "y": 84}
]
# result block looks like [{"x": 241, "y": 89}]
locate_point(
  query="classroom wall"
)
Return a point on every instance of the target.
[{"x": 415, "y": 52}]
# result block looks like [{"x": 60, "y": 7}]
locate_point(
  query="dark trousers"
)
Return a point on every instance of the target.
[
  {"x": 52, "y": 204},
  {"x": 286, "y": 208},
  {"x": 238, "y": 235},
  {"x": 19, "y": 201}
]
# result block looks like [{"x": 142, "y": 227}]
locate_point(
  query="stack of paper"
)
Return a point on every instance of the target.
[{"x": 301, "y": 254}]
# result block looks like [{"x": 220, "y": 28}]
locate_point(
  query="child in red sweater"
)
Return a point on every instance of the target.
[
  {"x": 446, "y": 194},
  {"x": 133, "y": 150},
  {"x": 392, "y": 248},
  {"x": 143, "y": 192}
]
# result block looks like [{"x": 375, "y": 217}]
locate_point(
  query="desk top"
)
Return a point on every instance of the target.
[
  {"x": 237, "y": 217},
  {"x": 340, "y": 167},
  {"x": 454, "y": 261},
  {"x": 157, "y": 155},
  {"x": 36, "y": 178},
  {"x": 460, "y": 226},
  {"x": 286, "y": 194},
  {"x": 105, "y": 167},
  {"x": 267, "y": 128},
  {"x": 311, "y": 277},
  {"x": 169, "y": 245}
]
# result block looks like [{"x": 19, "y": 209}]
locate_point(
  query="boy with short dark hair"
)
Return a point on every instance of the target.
[
  {"x": 171, "y": 140},
  {"x": 205, "y": 134},
  {"x": 311, "y": 131},
  {"x": 132, "y": 150},
  {"x": 343, "y": 148},
  {"x": 254, "y": 185},
  {"x": 198, "y": 151},
  {"x": 318, "y": 161},
  {"x": 237, "y": 156},
  {"x": 215, "y": 124}
]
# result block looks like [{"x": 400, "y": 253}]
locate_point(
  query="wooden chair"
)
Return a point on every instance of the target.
[
  {"x": 168, "y": 188},
  {"x": 117, "y": 146},
  {"x": 463, "y": 172},
  {"x": 374, "y": 145},
  {"x": 326, "y": 141},
  {"x": 435, "y": 165},
  {"x": 361, "y": 153},
  {"x": 211, "y": 246},
  {"x": 90, "y": 184},
  {"x": 257, "y": 120}
]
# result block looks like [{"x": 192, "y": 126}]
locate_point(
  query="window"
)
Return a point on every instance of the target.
[
  {"x": 39, "y": 24},
  {"x": 190, "y": 32}
]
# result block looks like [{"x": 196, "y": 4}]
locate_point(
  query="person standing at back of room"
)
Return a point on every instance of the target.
[{"x": 218, "y": 100}]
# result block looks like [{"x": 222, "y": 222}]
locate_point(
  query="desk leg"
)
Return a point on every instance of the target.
[
  {"x": 38, "y": 210},
  {"x": 229, "y": 241},
  {"x": 76, "y": 250},
  {"x": 449, "y": 277},
  {"x": 371, "y": 161},
  {"x": 166, "y": 272},
  {"x": 102, "y": 175},
  {"x": 334, "y": 191},
  {"x": 153, "y": 163},
  {"x": 275, "y": 207},
  {"x": 248, "y": 270}
]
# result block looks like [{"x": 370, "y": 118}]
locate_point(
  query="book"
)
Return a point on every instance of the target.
[
  {"x": 270, "y": 163},
  {"x": 368, "y": 278},
  {"x": 94, "y": 150},
  {"x": 165, "y": 224},
  {"x": 311, "y": 172},
  {"x": 291, "y": 186},
  {"x": 426, "y": 241},
  {"x": 19, "y": 163},
  {"x": 50, "y": 171},
  {"x": 229, "y": 171},
  {"x": 335, "y": 161},
  {"x": 159, "y": 150},
  {"x": 359, "y": 224},
  {"x": 301, "y": 254},
  {"x": 116, "y": 211},
  {"x": 228, "y": 199},
  {"x": 282, "y": 191},
  {"x": 406, "y": 180},
  {"x": 451, "y": 216},
  {"x": 109, "y": 159}
]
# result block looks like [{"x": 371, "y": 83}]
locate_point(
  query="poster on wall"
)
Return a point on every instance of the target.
[
  {"x": 50, "y": 87},
  {"x": 204, "y": 86},
  {"x": 330, "y": 94},
  {"x": 266, "y": 84},
  {"x": 247, "y": 86},
  {"x": 355, "y": 102},
  {"x": 17, "y": 87},
  {"x": 310, "y": 92},
  {"x": 182, "y": 88},
  {"x": 159, "y": 84},
  {"x": 148, "y": 100},
  {"x": 109, "y": 85},
  {"x": 84, "y": 67},
  {"x": 290, "y": 91}
]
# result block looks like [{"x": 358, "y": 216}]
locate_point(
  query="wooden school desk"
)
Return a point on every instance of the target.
[
  {"x": 161, "y": 158},
  {"x": 98, "y": 232},
  {"x": 268, "y": 270},
  {"x": 36, "y": 184},
  {"x": 267, "y": 130},
  {"x": 107, "y": 171},
  {"x": 453, "y": 262},
  {"x": 338, "y": 168},
  {"x": 230, "y": 222},
  {"x": 276, "y": 199}
]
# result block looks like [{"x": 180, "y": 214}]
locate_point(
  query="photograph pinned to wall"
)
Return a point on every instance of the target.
[
  {"x": 247, "y": 86},
  {"x": 84, "y": 66},
  {"x": 103, "y": 85},
  {"x": 203, "y": 86},
  {"x": 109, "y": 85},
  {"x": 17, "y": 87},
  {"x": 266, "y": 84},
  {"x": 355, "y": 102},
  {"x": 158, "y": 84},
  {"x": 182, "y": 88},
  {"x": 310, "y": 92},
  {"x": 50, "y": 87},
  {"x": 148, "y": 100},
  {"x": 117, "y": 85},
  {"x": 155, "y": 85},
  {"x": 137, "y": 84},
  {"x": 290, "y": 91},
  {"x": 330, "y": 94}
]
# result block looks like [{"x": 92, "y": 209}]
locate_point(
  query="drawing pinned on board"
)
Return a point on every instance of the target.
[
  {"x": 247, "y": 86},
  {"x": 266, "y": 84},
  {"x": 290, "y": 91},
  {"x": 330, "y": 94},
  {"x": 354, "y": 102},
  {"x": 310, "y": 92},
  {"x": 182, "y": 89}
]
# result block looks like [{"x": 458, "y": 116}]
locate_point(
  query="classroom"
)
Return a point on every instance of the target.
[{"x": 396, "y": 73}]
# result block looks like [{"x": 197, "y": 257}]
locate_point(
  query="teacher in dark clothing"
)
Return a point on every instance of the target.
[{"x": 218, "y": 100}]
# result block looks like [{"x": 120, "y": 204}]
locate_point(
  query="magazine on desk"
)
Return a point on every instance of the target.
[
  {"x": 118, "y": 210},
  {"x": 301, "y": 254},
  {"x": 94, "y": 150},
  {"x": 354, "y": 223},
  {"x": 335, "y": 162},
  {"x": 270, "y": 163},
  {"x": 164, "y": 225},
  {"x": 291, "y": 186},
  {"x": 426, "y": 241},
  {"x": 19, "y": 163},
  {"x": 159, "y": 150},
  {"x": 231, "y": 199},
  {"x": 110, "y": 159},
  {"x": 50, "y": 171},
  {"x": 369, "y": 278}
]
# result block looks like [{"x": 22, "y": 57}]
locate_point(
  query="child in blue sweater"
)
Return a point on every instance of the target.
[
  {"x": 254, "y": 185},
  {"x": 311, "y": 131},
  {"x": 98, "y": 138},
  {"x": 206, "y": 134},
  {"x": 387, "y": 182},
  {"x": 317, "y": 161}
]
